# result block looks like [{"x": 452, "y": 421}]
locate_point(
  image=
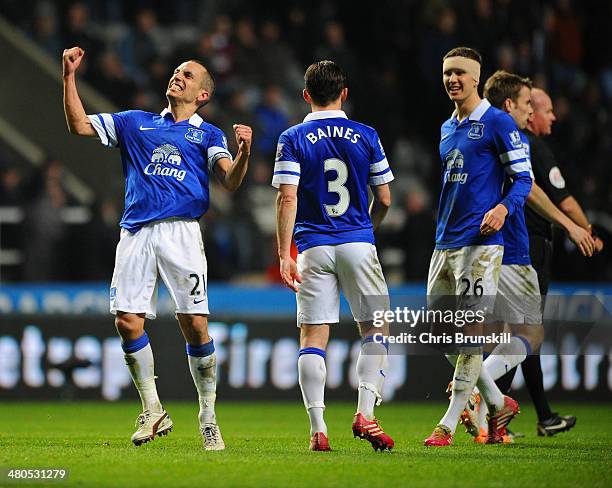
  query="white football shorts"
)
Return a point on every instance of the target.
[
  {"x": 352, "y": 268},
  {"x": 470, "y": 271},
  {"x": 172, "y": 248},
  {"x": 518, "y": 295}
]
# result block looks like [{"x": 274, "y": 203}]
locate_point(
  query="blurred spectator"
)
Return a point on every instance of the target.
[
  {"x": 45, "y": 29},
  {"x": 271, "y": 121},
  {"x": 299, "y": 28},
  {"x": 566, "y": 46},
  {"x": 335, "y": 49},
  {"x": 222, "y": 57},
  {"x": 43, "y": 227},
  {"x": 277, "y": 60},
  {"x": 92, "y": 244},
  {"x": 439, "y": 38},
  {"x": 237, "y": 110},
  {"x": 247, "y": 50},
  {"x": 416, "y": 236},
  {"x": 10, "y": 187},
  {"x": 112, "y": 80},
  {"x": 76, "y": 32},
  {"x": 142, "y": 45},
  {"x": 482, "y": 30}
]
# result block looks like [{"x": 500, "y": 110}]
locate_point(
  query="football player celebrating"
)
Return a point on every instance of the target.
[
  {"x": 167, "y": 159},
  {"x": 323, "y": 169},
  {"x": 479, "y": 146}
]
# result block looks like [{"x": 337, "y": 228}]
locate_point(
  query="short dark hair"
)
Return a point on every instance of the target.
[
  {"x": 502, "y": 85},
  {"x": 464, "y": 52},
  {"x": 208, "y": 83},
  {"x": 324, "y": 81}
]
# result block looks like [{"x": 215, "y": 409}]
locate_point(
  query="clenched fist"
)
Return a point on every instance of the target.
[
  {"x": 244, "y": 136},
  {"x": 72, "y": 59}
]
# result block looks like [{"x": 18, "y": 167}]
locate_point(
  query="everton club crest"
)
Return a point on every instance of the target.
[
  {"x": 194, "y": 135},
  {"x": 476, "y": 130}
]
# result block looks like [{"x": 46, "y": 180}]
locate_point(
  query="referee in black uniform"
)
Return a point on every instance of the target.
[{"x": 548, "y": 176}]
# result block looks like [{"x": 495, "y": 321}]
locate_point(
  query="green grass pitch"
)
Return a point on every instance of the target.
[{"x": 267, "y": 445}]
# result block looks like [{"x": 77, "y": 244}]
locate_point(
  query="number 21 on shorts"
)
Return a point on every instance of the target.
[{"x": 199, "y": 285}]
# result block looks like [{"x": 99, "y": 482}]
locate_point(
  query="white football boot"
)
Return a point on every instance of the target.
[
  {"x": 151, "y": 424},
  {"x": 212, "y": 438}
]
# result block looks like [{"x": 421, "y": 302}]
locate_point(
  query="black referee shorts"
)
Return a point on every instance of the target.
[{"x": 540, "y": 250}]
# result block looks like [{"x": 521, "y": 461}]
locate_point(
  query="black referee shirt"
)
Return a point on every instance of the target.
[{"x": 549, "y": 178}]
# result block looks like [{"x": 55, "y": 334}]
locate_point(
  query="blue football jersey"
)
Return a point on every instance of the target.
[
  {"x": 476, "y": 154},
  {"x": 166, "y": 164},
  {"x": 514, "y": 231},
  {"x": 331, "y": 160}
]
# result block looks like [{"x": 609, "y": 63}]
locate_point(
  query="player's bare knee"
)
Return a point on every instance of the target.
[
  {"x": 314, "y": 335},
  {"x": 369, "y": 329},
  {"x": 130, "y": 326},
  {"x": 534, "y": 334},
  {"x": 194, "y": 328}
]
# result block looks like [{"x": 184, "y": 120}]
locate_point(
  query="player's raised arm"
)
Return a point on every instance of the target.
[
  {"x": 76, "y": 118},
  {"x": 380, "y": 204},
  {"x": 231, "y": 173},
  {"x": 286, "y": 209},
  {"x": 539, "y": 201}
]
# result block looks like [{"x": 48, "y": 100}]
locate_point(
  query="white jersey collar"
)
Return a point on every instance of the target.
[
  {"x": 326, "y": 114},
  {"x": 194, "y": 120},
  {"x": 478, "y": 112}
]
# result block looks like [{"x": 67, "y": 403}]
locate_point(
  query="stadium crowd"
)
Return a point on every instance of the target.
[{"x": 258, "y": 54}]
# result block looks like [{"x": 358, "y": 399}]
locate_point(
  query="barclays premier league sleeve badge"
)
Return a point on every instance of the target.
[{"x": 515, "y": 139}]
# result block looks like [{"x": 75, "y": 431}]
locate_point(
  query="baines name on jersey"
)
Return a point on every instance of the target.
[{"x": 333, "y": 131}]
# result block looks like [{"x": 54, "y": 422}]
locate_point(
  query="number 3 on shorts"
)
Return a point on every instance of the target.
[{"x": 337, "y": 186}]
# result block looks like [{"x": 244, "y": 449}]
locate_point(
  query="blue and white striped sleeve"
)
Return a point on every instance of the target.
[
  {"x": 217, "y": 149},
  {"x": 286, "y": 167},
  {"x": 380, "y": 171},
  {"x": 105, "y": 126},
  {"x": 515, "y": 161},
  {"x": 514, "y": 157}
]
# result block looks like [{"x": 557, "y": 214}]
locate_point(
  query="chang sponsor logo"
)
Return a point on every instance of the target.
[
  {"x": 453, "y": 168},
  {"x": 160, "y": 159}
]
